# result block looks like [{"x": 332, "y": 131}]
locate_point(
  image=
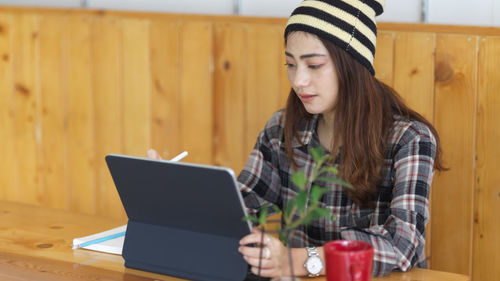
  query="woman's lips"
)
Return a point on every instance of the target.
[{"x": 306, "y": 98}]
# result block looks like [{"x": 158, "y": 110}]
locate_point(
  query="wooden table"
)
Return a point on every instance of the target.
[{"x": 35, "y": 244}]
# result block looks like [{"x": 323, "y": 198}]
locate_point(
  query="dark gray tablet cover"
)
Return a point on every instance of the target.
[{"x": 185, "y": 220}]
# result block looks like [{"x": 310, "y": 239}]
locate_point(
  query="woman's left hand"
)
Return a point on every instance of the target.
[{"x": 274, "y": 259}]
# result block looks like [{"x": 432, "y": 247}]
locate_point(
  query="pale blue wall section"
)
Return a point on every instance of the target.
[
  {"x": 268, "y": 8},
  {"x": 496, "y": 12},
  {"x": 222, "y": 7},
  {"x": 43, "y": 3},
  {"x": 401, "y": 11},
  {"x": 464, "y": 12}
]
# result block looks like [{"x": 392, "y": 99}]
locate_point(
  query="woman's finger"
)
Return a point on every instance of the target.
[
  {"x": 264, "y": 264},
  {"x": 251, "y": 239},
  {"x": 257, "y": 252},
  {"x": 151, "y": 153},
  {"x": 255, "y": 238}
]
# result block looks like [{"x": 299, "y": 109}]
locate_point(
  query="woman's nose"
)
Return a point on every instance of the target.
[{"x": 301, "y": 78}]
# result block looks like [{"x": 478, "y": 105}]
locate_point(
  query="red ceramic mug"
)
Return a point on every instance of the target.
[{"x": 348, "y": 260}]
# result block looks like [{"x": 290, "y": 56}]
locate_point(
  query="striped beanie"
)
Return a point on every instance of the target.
[{"x": 349, "y": 24}]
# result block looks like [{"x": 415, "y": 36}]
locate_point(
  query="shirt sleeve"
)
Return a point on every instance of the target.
[
  {"x": 259, "y": 180},
  {"x": 399, "y": 244}
]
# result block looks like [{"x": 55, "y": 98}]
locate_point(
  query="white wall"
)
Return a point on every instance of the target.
[
  {"x": 401, "y": 11},
  {"x": 43, "y": 3},
  {"x": 496, "y": 13},
  {"x": 268, "y": 8},
  {"x": 465, "y": 12},
  {"x": 223, "y": 7}
]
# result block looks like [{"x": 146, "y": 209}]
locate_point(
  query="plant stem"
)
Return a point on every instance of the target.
[
  {"x": 261, "y": 249},
  {"x": 290, "y": 255}
]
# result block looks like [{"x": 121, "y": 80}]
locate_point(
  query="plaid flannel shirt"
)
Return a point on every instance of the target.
[{"x": 395, "y": 226}]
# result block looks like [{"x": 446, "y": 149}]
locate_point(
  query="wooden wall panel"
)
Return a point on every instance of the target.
[
  {"x": 9, "y": 176},
  {"x": 107, "y": 81},
  {"x": 165, "y": 99},
  {"x": 196, "y": 91},
  {"x": 455, "y": 110},
  {"x": 384, "y": 58},
  {"x": 81, "y": 150},
  {"x": 78, "y": 85},
  {"x": 230, "y": 61},
  {"x": 54, "y": 111},
  {"x": 414, "y": 70},
  {"x": 487, "y": 204},
  {"x": 26, "y": 105},
  {"x": 136, "y": 87},
  {"x": 263, "y": 85}
]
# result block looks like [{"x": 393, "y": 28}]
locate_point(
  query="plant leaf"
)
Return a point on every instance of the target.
[
  {"x": 316, "y": 194},
  {"x": 276, "y": 209},
  {"x": 299, "y": 179},
  {"x": 301, "y": 202},
  {"x": 250, "y": 218},
  {"x": 329, "y": 169},
  {"x": 289, "y": 206},
  {"x": 317, "y": 153},
  {"x": 282, "y": 236},
  {"x": 263, "y": 215},
  {"x": 316, "y": 214},
  {"x": 335, "y": 180}
]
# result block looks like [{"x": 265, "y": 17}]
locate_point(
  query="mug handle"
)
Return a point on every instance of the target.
[{"x": 356, "y": 272}]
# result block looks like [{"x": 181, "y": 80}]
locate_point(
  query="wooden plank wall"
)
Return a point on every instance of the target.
[{"x": 77, "y": 85}]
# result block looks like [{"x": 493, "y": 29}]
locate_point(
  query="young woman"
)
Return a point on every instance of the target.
[{"x": 387, "y": 151}]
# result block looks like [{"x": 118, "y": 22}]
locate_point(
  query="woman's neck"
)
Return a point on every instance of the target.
[
  {"x": 327, "y": 120},
  {"x": 326, "y": 130}
]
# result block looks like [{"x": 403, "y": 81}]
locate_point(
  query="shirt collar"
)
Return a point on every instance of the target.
[{"x": 306, "y": 130}]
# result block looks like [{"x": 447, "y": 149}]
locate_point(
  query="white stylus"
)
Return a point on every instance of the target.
[{"x": 180, "y": 156}]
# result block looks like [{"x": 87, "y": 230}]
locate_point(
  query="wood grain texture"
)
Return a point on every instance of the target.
[
  {"x": 26, "y": 107},
  {"x": 229, "y": 95},
  {"x": 487, "y": 193},
  {"x": 35, "y": 245},
  {"x": 384, "y": 57},
  {"x": 81, "y": 147},
  {"x": 197, "y": 91},
  {"x": 165, "y": 99},
  {"x": 455, "y": 111},
  {"x": 107, "y": 78},
  {"x": 54, "y": 129},
  {"x": 439, "y": 28},
  {"x": 263, "y": 86},
  {"x": 414, "y": 71},
  {"x": 136, "y": 86},
  {"x": 10, "y": 177},
  {"x": 16, "y": 267}
]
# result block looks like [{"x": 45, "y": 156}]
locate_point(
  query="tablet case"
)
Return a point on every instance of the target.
[{"x": 185, "y": 220}]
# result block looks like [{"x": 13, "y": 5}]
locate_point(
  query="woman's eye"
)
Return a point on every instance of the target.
[
  {"x": 315, "y": 66},
  {"x": 289, "y": 65}
]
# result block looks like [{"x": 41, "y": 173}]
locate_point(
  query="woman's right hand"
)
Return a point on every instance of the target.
[{"x": 153, "y": 154}]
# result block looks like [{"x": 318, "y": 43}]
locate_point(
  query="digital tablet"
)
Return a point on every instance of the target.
[{"x": 185, "y": 219}]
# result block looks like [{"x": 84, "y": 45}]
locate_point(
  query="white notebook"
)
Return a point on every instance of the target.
[{"x": 113, "y": 246}]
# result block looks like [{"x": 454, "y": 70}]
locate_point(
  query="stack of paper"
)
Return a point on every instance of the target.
[{"x": 113, "y": 246}]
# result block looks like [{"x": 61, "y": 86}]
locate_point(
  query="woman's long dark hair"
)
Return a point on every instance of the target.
[{"x": 364, "y": 115}]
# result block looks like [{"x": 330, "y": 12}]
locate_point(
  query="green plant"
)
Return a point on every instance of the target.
[{"x": 304, "y": 207}]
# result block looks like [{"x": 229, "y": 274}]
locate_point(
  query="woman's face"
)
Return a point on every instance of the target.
[{"x": 311, "y": 72}]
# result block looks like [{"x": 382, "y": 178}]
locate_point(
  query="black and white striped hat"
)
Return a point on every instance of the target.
[{"x": 350, "y": 24}]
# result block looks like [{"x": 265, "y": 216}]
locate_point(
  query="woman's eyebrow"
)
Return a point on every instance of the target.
[{"x": 306, "y": 56}]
